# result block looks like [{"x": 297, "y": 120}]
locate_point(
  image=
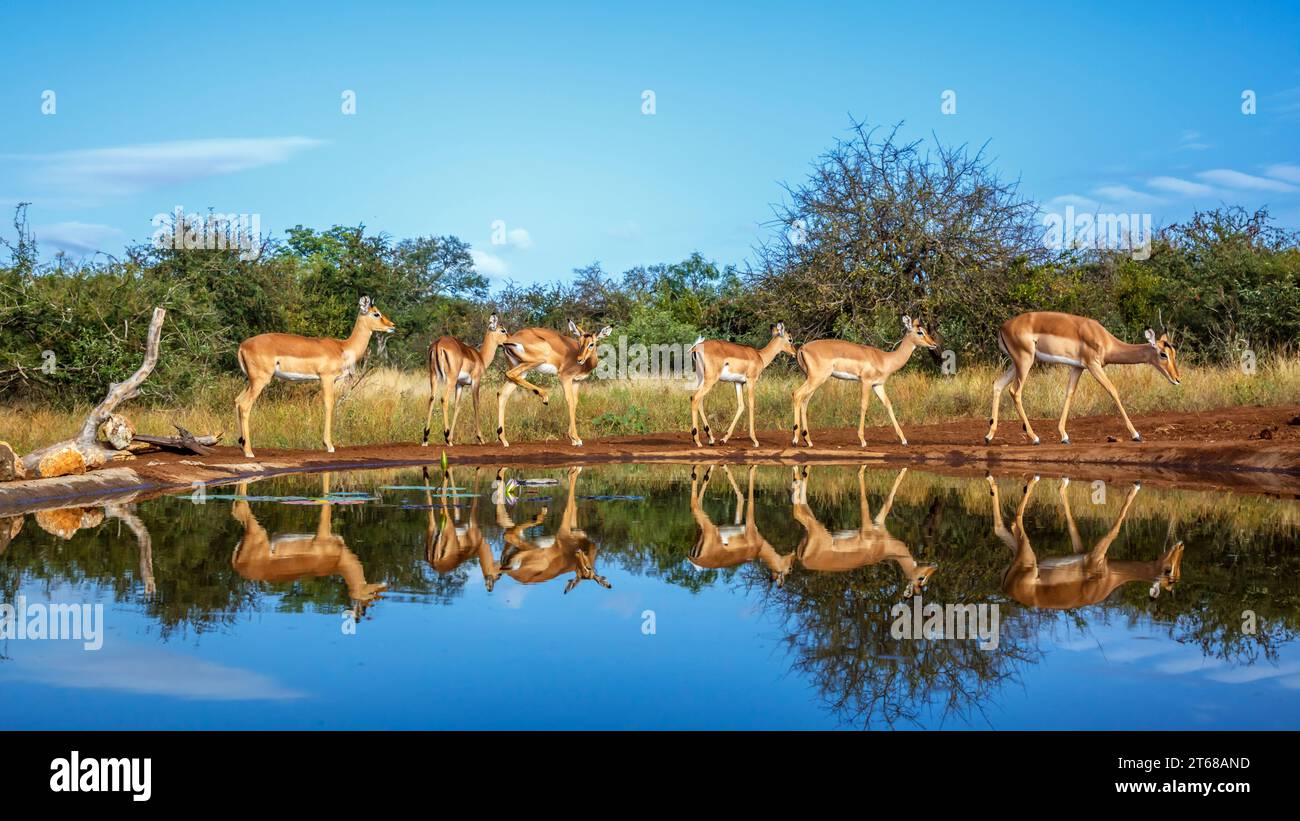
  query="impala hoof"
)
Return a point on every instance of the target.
[
  {"x": 1037, "y": 441},
  {"x": 248, "y": 454},
  {"x": 902, "y": 441},
  {"x": 1065, "y": 440},
  {"x": 1137, "y": 437},
  {"x": 577, "y": 443},
  {"x": 988, "y": 440},
  {"x": 329, "y": 448}
]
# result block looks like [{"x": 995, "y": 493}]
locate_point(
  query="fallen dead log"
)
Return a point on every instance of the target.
[
  {"x": 185, "y": 442},
  {"x": 85, "y": 451}
]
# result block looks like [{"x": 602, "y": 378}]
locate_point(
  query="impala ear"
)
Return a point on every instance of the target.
[
  {"x": 907, "y": 322},
  {"x": 1150, "y": 335},
  {"x": 363, "y": 305},
  {"x": 574, "y": 329},
  {"x": 492, "y": 322},
  {"x": 604, "y": 332}
]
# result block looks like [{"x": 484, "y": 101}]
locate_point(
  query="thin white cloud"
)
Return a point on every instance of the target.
[
  {"x": 79, "y": 237},
  {"x": 1191, "y": 141},
  {"x": 1124, "y": 195},
  {"x": 1284, "y": 171},
  {"x": 126, "y": 170},
  {"x": 1181, "y": 187},
  {"x": 490, "y": 266},
  {"x": 1240, "y": 181},
  {"x": 1078, "y": 201},
  {"x": 519, "y": 238}
]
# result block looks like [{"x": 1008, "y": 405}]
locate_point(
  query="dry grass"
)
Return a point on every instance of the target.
[{"x": 389, "y": 405}]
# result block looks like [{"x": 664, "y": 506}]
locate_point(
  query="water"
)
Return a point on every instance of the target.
[{"x": 662, "y": 602}]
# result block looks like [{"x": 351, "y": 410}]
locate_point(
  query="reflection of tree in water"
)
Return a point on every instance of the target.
[{"x": 837, "y": 626}]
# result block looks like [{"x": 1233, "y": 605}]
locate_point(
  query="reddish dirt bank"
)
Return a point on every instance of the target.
[{"x": 1251, "y": 449}]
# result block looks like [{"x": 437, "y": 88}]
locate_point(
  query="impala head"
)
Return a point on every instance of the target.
[
  {"x": 1170, "y": 571},
  {"x": 919, "y": 579},
  {"x": 372, "y": 319},
  {"x": 588, "y": 340},
  {"x": 1165, "y": 356},
  {"x": 915, "y": 330},
  {"x": 778, "y": 333}
]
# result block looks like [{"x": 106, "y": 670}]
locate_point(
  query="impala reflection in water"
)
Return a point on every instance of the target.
[{"x": 771, "y": 590}]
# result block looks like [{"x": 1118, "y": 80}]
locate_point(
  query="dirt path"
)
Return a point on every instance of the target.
[{"x": 1250, "y": 449}]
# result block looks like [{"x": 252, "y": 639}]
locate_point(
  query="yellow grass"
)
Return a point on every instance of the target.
[{"x": 389, "y": 405}]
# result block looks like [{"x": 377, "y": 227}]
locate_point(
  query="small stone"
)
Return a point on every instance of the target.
[
  {"x": 1111, "y": 439},
  {"x": 11, "y": 466},
  {"x": 118, "y": 431}
]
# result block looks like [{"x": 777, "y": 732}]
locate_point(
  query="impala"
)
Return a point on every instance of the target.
[
  {"x": 571, "y": 358},
  {"x": 532, "y": 561},
  {"x": 730, "y": 545},
  {"x": 304, "y": 359},
  {"x": 1085, "y": 578},
  {"x": 289, "y": 556},
  {"x": 449, "y": 356},
  {"x": 1081, "y": 343},
  {"x": 449, "y": 542},
  {"x": 741, "y": 365},
  {"x": 827, "y": 358},
  {"x": 845, "y": 550}
]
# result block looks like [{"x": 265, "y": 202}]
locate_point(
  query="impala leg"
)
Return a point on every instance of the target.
[
  {"x": 998, "y": 386},
  {"x": 1017, "y": 394},
  {"x": 796, "y": 399},
  {"x": 244, "y": 409},
  {"x": 516, "y": 376},
  {"x": 478, "y": 420},
  {"x": 803, "y": 395},
  {"x": 740, "y": 410},
  {"x": 879, "y": 390},
  {"x": 327, "y": 399},
  {"x": 1075, "y": 373},
  {"x": 862, "y": 413},
  {"x": 433, "y": 400},
  {"x": 697, "y": 409},
  {"x": 1099, "y": 373},
  {"x": 1097, "y": 556},
  {"x": 571, "y": 399},
  {"x": 455, "y": 414},
  {"x": 749, "y": 393},
  {"x": 504, "y": 395},
  {"x": 446, "y": 410}
]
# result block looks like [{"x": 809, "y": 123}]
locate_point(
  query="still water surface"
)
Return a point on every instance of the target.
[{"x": 662, "y": 597}]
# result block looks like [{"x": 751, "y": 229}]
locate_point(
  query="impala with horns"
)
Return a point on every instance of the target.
[
  {"x": 1081, "y": 343},
  {"x": 718, "y": 547},
  {"x": 869, "y": 544},
  {"x": 569, "y": 550},
  {"x": 453, "y": 362},
  {"x": 305, "y": 359},
  {"x": 741, "y": 365},
  {"x": 835, "y": 358},
  {"x": 1084, "y": 578},
  {"x": 570, "y": 358}
]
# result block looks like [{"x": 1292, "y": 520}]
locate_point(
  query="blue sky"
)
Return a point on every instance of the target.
[{"x": 469, "y": 115}]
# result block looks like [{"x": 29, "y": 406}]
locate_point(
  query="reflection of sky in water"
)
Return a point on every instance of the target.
[{"x": 727, "y": 654}]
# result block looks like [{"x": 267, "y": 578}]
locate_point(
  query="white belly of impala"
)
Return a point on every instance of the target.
[
  {"x": 852, "y": 377},
  {"x": 464, "y": 379},
  {"x": 730, "y": 532},
  {"x": 292, "y": 376},
  {"x": 728, "y": 376},
  {"x": 546, "y": 368},
  {"x": 1057, "y": 360}
]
